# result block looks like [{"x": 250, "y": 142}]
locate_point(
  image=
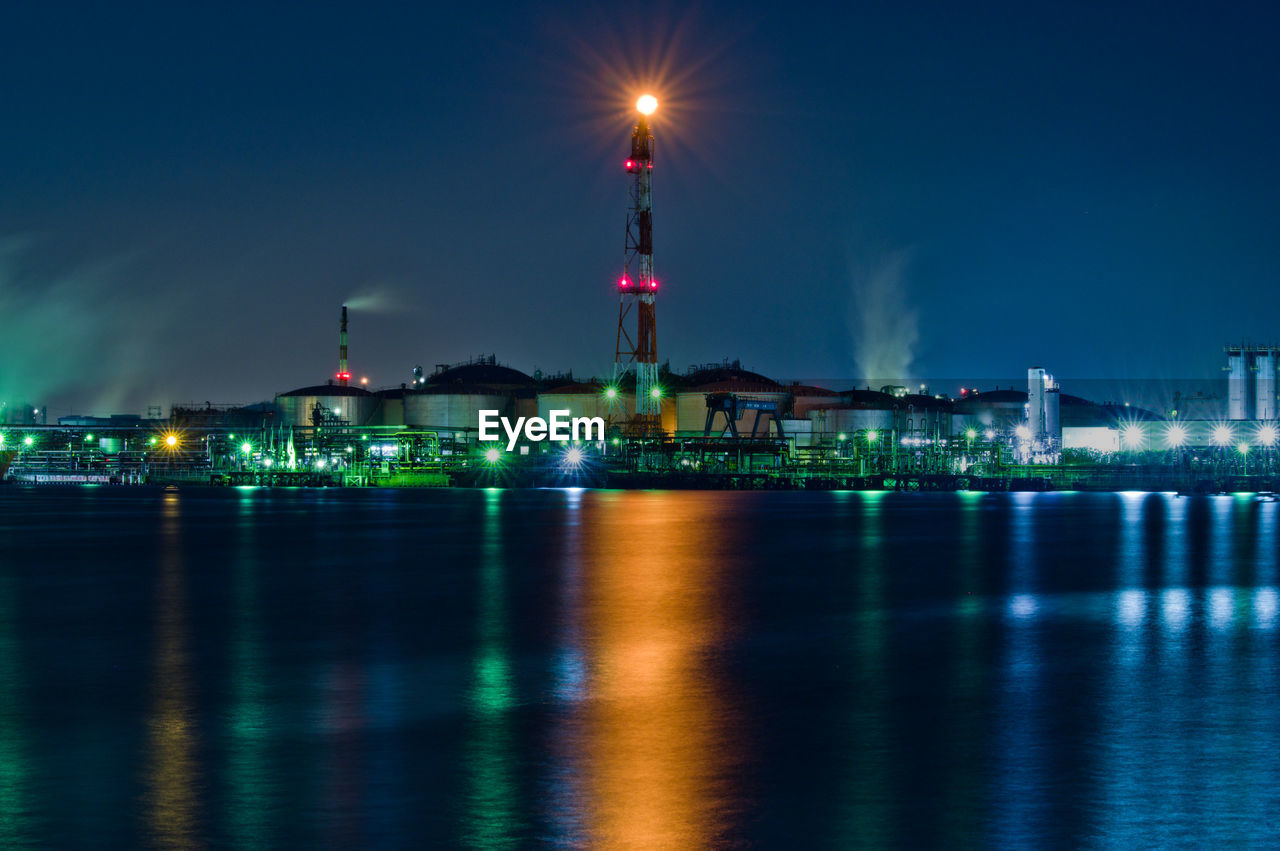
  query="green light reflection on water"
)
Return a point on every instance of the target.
[
  {"x": 492, "y": 820},
  {"x": 14, "y": 768},
  {"x": 248, "y": 724},
  {"x": 866, "y": 815}
]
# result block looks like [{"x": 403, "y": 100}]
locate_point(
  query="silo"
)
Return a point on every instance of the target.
[
  {"x": 1239, "y": 386},
  {"x": 1053, "y": 415},
  {"x": 1036, "y": 384},
  {"x": 1265, "y": 384}
]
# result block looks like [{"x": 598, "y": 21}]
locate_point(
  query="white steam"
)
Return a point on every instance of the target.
[
  {"x": 67, "y": 331},
  {"x": 885, "y": 327}
]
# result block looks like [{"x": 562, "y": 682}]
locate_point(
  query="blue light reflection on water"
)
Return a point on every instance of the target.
[{"x": 584, "y": 667}]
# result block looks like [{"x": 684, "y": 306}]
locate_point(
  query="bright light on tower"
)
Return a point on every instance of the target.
[
  {"x": 1131, "y": 435},
  {"x": 1243, "y": 447},
  {"x": 171, "y": 441},
  {"x": 1175, "y": 436},
  {"x": 1221, "y": 435},
  {"x": 611, "y": 392},
  {"x": 656, "y": 392},
  {"x": 871, "y": 436},
  {"x": 246, "y": 448},
  {"x": 971, "y": 433},
  {"x": 1023, "y": 432},
  {"x": 1267, "y": 435},
  {"x": 647, "y": 104}
]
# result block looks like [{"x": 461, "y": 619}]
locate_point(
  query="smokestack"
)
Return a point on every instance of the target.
[{"x": 344, "y": 375}]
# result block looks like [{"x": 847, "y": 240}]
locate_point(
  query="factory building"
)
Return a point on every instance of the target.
[{"x": 1251, "y": 382}]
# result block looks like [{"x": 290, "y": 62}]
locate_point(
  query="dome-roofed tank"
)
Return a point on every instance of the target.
[
  {"x": 453, "y": 396},
  {"x": 713, "y": 373},
  {"x": 485, "y": 372},
  {"x": 350, "y": 405}
]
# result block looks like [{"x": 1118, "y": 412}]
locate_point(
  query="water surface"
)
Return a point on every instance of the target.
[{"x": 642, "y": 669}]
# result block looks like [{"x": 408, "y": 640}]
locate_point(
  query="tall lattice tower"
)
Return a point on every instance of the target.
[{"x": 637, "y": 287}]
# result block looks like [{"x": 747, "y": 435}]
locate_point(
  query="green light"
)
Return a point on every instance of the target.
[
  {"x": 492, "y": 455},
  {"x": 617, "y": 442},
  {"x": 1244, "y": 448},
  {"x": 151, "y": 441},
  {"x": 351, "y": 449},
  {"x": 231, "y": 437},
  {"x": 971, "y": 433},
  {"x": 1, "y": 440},
  {"x": 843, "y": 437},
  {"x": 611, "y": 392},
  {"x": 656, "y": 392},
  {"x": 28, "y": 440},
  {"x": 88, "y": 437},
  {"x": 871, "y": 436},
  {"x": 319, "y": 463},
  {"x": 247, "y": 448}
]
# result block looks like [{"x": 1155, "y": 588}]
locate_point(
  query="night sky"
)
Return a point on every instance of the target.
[{"x": 188, "y": 195}]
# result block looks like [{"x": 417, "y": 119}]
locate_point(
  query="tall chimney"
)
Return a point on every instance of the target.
[{"x": 344, "y": 374}]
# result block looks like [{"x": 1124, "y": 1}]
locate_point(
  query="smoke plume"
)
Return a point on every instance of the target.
[{"x": 885, "y": 327}]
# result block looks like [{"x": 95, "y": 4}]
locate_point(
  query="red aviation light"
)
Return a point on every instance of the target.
[
  {"x": 630, "y": 165},
  {"x": 624, "y": 282},
  {"x": 344, "y": 376},
  {"x": 653, "y": 285}
]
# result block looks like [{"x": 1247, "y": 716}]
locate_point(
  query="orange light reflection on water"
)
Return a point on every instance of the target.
[
  {"x": 172, "y": 799},
  {"x": 654, "y": 732}
]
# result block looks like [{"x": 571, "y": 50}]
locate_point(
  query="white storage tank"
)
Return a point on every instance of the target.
[
  {"x": 454, "y": 407},
  {"x": 1239, "y": 385},
  {"x": 351, "y": 405},
  {"x": 1265, "y": 385}
]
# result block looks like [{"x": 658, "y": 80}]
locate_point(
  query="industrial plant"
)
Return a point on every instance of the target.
[{"x": 710, "y": 425}]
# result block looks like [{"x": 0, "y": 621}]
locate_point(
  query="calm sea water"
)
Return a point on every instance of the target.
[{"x": 638, "y": 669}]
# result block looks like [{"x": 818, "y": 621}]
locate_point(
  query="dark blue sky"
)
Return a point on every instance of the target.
[{"x": 186, "y": 196}]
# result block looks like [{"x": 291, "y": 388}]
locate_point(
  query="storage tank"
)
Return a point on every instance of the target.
[
  {"x": 391, "y": 406},
  {"x": 924, "y": 416},
  {"x": 1001, "y": 410},
  {"x": 806, "y": 397},
  {"x": 455, "y": 407},
  {"x": 587, "y": 399},
  {"x": 691, "y": 406},
  {"x": 1265, "y": 384},
  {"x": 1239, "y": 386},
  {"x": 352, "y": 405},
  {"x": 852, "y": 412}
]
